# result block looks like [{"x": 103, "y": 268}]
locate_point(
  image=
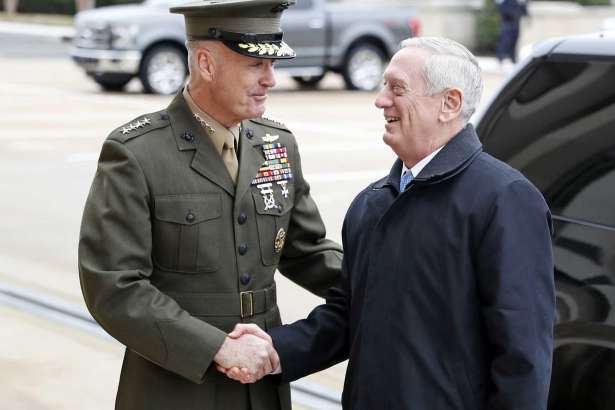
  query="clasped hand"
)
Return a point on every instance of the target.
[{"x": 247, "y": 354}]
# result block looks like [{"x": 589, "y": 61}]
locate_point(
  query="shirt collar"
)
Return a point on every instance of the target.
[
  {"x": 421, "y": 164},
  {"x": 218, "y": 136}
]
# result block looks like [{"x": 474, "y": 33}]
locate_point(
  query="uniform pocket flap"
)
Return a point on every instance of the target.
[
  {"x": 275, "y": 207},
  {"x": 187, "y": 209}
]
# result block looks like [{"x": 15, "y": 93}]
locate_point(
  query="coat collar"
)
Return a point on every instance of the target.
[
  {"x": 456, "y": 155},
  {"x": 190, "y": 135}
]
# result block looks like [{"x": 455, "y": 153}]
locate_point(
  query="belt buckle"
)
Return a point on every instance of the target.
[{"x": 250, "y": 298}]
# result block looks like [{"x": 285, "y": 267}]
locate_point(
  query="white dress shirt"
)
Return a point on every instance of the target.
[{"x": 416, "y": 169}]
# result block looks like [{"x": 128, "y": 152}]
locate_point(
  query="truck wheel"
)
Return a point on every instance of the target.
[
  {"x": 308, "y": 81},
  {"x": 163, "y": 70},
  {"x": 112, "y": 82},
  {"x": 364, "y": 67}
]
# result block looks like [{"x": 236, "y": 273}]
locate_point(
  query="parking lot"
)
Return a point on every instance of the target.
[{"x": 53, "y": 121}]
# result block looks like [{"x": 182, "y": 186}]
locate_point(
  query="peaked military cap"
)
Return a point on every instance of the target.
[{"x": 249, "y": 27}]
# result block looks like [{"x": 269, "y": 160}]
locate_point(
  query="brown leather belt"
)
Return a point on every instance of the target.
[{"x": 244, "y": 304}]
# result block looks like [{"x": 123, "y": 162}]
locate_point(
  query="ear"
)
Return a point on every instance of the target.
[
  {"x": 452, "y": 102},
  {"x": 206, "y": 64}
]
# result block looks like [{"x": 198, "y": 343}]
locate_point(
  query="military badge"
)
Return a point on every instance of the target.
[
  {"x": 279, "y": 240},
  {"x": 284, "y": 188},
  {"x": 270, "y": 138},
  {"x": 276, "y": 166},
  {"x": 268, "y": 197}
]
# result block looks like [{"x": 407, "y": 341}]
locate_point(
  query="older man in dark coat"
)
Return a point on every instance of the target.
[{"x": 447, "y": 300}]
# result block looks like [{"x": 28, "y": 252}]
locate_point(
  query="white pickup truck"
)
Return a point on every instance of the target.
[{"x": 114, "y": 44}]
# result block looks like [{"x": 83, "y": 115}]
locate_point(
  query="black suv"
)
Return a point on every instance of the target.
[{"x": 554, "y": 120}]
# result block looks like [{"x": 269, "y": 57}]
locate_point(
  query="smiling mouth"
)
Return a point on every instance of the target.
[{"x": 391, "y": 120}]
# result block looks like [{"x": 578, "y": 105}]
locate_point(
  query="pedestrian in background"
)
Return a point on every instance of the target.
[{"x": 511, "y": 12}]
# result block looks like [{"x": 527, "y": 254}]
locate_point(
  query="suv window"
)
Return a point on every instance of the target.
[
  {"x": 589, "y": 195},
  {"x": 302, "y": 5}
]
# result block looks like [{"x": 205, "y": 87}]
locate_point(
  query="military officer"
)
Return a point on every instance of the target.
[{"x": 191, "y": 211}]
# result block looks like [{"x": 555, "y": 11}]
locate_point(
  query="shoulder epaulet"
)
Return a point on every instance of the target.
[
  {"x": 140, "y": 126},
  {"x": 270, "y": 123}
]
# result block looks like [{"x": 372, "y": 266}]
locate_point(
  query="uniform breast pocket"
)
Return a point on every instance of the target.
[
  {"x": 272, "y": 222},
  {"x": 186, "y": 232}
]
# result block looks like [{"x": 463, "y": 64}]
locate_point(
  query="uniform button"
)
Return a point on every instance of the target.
[
  {"x": 243, "y": 249},
  {"x": 190, "y": 217},
  {"x": 187, "y": 135},
  {"x": 245, "y": 278},
  {"x": 242, "y": 218},
  {"x": 249, "y": 133},
  {"x": 280, "y": 208}
]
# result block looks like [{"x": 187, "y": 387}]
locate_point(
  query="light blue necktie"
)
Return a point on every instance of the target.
[{"x": 406, "y": 178}]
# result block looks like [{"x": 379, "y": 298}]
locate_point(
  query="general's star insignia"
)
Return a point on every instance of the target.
[
  {"x": 270, "y": 138},
  {"x": 204, "y": 124},
  {"x": 135, "y": 125}
]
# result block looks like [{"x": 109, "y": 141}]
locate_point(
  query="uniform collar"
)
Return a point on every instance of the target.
[
  {"x": 454, "y": 157},
  {"x": 216, "y": 131}
]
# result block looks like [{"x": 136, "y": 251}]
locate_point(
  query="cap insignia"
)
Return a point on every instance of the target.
[{"x": 271, "y": 49}]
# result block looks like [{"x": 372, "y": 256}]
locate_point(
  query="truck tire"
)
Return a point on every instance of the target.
[
  {"x": 363, "y": 67},
  {"x": 163, "y": 70},
  {"x": 112, "y": 82},
  {"x": 308, "y": 81}
]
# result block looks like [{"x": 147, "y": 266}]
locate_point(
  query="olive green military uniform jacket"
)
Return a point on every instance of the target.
[{"x": 172, "y": 255}]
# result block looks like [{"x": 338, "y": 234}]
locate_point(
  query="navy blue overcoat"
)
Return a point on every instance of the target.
[{"x": 447, "y": 299}]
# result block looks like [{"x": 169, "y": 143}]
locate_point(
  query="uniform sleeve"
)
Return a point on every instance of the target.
[
  {"x": 516, "y": 283},
  {"x": 115, "y": 267},
  {"x": 319, "y": 341},
  {"x": 309, "y": 259}
]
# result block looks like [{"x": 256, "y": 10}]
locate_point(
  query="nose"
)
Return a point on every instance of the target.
[
  {"x": 268, "y": 78},
  {"x": 383, "y": 99}
]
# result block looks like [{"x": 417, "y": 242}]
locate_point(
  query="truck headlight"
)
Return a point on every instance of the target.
[{"x": 124, "y": 36}]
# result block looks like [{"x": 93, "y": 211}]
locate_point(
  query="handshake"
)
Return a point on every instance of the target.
[{"x": 247, "y": 354}]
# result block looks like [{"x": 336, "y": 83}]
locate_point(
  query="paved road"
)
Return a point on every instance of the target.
[
  {"x": 53, "y": 120},
  {"x": 32, "y": 46}
]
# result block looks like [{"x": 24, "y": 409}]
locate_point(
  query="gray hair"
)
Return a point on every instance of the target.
[
  {"x": 192, "y": 46},
  {"x": 450, "y": 66}
]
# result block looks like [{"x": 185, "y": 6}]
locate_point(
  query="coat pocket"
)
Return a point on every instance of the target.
[
  {"x": 186, "y": 232},
  {"x": 272, "y": 225}
]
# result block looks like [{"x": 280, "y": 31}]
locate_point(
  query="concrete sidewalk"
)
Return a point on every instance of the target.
[{"x": 40, "y": 30}]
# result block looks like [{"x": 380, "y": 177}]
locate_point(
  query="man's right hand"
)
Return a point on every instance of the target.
[{"x": 253, "y": 355}]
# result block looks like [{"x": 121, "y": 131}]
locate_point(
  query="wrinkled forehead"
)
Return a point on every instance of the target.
[{"x": 407, "y": 65}]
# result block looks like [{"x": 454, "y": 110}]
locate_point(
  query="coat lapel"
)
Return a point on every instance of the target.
[
  {"x": 250, "y": 159},
  {"x": 189, "y": 135}
]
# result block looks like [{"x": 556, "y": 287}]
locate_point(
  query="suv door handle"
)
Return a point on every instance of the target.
[{"x": 316, "y": 24}]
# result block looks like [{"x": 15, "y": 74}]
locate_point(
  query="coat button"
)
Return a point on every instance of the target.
[
  {"x": 243, "y": 249},
  {"x": 249, "y": 133},
  {"x": 245, "y": 278},
  {"x": 280, "y": 208},
  {"x": 190, "y": 217},
  {"x": 242, "y": 218},
  {"x": 187, "y": 135}
]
